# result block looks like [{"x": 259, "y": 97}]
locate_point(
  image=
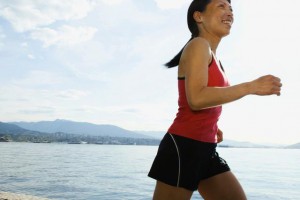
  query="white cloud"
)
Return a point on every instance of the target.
[
  {"x": 30, "y": 14},
  {"x": 31, "y": 57},
  {"x": 38, "y": 78},
  {"x": 64, "y": 36},
  {"x": 112, "y": 2},
  {"x": 170, "y": 4},
  {"x": 24, "y": 102},
  {"x": 24, "y": 44},
  {"x": 2, "y": 37},
  {"x": 71, "y": 94}
]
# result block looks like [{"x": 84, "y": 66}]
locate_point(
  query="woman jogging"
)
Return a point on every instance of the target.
[{"x": 187, "y": 160}]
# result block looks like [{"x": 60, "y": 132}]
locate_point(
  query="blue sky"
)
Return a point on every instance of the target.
[{"x": 101, "y": 61}]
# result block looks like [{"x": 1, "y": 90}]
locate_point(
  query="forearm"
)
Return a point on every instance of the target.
[{"x": 214, "y": 96}]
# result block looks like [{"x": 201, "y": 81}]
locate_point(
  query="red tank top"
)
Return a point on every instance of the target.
[{"x": 199, "y": 125}]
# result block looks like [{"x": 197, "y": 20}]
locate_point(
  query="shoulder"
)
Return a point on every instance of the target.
[
  {"x": 197, "y": 48},
  {"x": 195, "y": 58},
  {"x": 198, "y": 42}
]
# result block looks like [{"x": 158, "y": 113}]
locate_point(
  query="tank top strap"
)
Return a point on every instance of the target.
[{"x": 218, "y": 62}]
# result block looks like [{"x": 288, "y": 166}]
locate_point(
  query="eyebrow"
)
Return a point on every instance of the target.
[{"x": 226, "y": 3}]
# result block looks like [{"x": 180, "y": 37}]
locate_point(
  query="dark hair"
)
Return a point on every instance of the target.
[{"x": 196, "y": 5}]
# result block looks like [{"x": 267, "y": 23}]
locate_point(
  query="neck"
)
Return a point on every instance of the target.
[{"x": 212, "y": 40}]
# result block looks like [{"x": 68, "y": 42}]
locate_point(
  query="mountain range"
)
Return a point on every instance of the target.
[
  {"x": 80, "y": 128},
  {"x": 7, "y": 128},
  {"x": 84, "y": 128}
]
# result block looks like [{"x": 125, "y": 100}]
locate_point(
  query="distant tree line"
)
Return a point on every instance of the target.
[{"x": 74, "y": 138}]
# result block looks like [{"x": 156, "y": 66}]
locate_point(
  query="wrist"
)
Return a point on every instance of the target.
[{"x": 247, "y": 88}]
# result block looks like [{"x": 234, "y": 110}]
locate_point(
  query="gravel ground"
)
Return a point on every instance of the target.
[{"x": 12, "y": 196}]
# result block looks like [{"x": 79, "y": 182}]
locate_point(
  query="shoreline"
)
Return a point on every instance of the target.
[{"x": 16, "y": 196}]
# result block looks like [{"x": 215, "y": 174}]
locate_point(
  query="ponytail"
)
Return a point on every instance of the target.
[
  {"x": 196, "y": 5},
  {"x": 175, "y": 61}
]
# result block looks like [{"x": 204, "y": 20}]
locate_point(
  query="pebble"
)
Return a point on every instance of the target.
[{"x": 13, "y": 196}]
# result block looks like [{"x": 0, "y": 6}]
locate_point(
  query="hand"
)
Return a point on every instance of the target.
[
  {"x": 219, "y": 136},
  {"x": 266, "y": 85}
]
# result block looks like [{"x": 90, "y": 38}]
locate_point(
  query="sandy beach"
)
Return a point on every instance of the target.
[{"x": 13, "y": 196}]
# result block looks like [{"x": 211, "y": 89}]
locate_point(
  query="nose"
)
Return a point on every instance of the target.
[
  {"x": 230, "y": 14},
  {"x": 230, "y": 11}
]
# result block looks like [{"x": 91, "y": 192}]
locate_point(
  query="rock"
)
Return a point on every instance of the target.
[{"x": 13, "y": 196}]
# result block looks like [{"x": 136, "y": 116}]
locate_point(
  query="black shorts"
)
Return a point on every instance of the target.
[{"x": 184, "y": 162}]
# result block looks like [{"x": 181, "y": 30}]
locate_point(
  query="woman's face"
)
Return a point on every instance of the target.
[{"x": 217, "y": 19}]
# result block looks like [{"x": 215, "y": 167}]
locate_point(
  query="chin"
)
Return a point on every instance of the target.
[{"x": 226, "y": 33}]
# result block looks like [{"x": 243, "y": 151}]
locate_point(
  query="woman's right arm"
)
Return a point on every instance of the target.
[{"x": 194, "y": 62}]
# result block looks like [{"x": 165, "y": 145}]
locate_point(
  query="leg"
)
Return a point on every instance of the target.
[
  {"x": 166, "y": 192},
  {"x": 222, "y": 186}
]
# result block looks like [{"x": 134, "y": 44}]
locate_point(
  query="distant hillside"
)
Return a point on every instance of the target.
[
  {"x": 225, "y": 143},
  {"x": 232, "y": 143},
  {"x": 81, "y": 128},
  {"x": 9, "y": 129},
  {"x": 153, "y": 134},
  {"x": 294, "y": 146},
  {"x": 13, "y": 133}
]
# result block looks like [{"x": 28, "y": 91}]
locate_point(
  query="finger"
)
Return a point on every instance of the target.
[
  {"x": 278, "y": 83},
  {"x": 220, "y": 138},
  {"x": 276, "y": 89},
  {"x": 278, "y": 93},
  {"x": 277, "y": 79}
]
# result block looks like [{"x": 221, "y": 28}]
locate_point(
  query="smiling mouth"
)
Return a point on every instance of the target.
[{"x": 228, "y": 22}]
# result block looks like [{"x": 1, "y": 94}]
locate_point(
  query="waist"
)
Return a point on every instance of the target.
[{"x": 198, "y": 125}]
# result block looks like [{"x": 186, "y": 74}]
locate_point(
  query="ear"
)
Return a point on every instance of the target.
[{"x": 197, "y": 16}]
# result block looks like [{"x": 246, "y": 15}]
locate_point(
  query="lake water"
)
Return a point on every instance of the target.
[{"x": 107, "y": 172}]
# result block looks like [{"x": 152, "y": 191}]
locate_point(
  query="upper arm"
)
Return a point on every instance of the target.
[{"x": 194, "y": 62}]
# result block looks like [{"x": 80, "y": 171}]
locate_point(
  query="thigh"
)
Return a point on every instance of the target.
[
  {"x": 223, "y": 186},
  {"x": 167, "y": 192}
]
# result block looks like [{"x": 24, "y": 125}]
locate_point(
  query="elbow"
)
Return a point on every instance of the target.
[
  {"x": 195, "y": 108},
  {"x": 196, "y": 105},
  {"x": 197, "y": 100}
]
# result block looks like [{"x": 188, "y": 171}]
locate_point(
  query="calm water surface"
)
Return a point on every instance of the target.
[{"x": 105, "y": 172}]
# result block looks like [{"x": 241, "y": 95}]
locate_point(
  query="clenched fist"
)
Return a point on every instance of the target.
[{"x": 266, "y": 85}]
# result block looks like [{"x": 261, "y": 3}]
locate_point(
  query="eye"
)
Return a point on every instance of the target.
[
  {"x": 221, "y": 5},
  {"x": 224, "y": 6}
]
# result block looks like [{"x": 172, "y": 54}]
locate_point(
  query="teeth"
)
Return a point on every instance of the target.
[{"x": 227, "y": 22}]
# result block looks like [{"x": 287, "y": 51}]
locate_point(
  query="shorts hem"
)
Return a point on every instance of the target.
[{"x": 173, "y": 185}]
